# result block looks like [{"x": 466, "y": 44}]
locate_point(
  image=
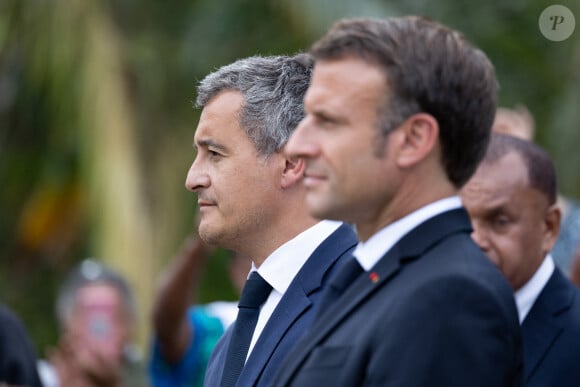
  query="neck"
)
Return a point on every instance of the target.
[
  {"x": 413, "y": 194},
  {"x": 281, "y": 230}
]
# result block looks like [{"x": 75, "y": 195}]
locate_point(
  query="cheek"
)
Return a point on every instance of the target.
[
  {"x": 494, "y": 257},
  {"x": 510, "y": 251},
  {"x": 247, "y": 193}
]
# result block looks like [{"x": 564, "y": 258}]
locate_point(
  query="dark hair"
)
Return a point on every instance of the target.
[
  {"x": 273, "y": 89},
  {"x": 539, "y": 165},
  {"x": 428, "y": 68}
]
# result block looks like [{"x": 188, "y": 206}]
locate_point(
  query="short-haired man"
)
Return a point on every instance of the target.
[
  {"x": 252, "y": 202},
  {"x": 96, "y": 313},
  {"x": 511, "y": 200},
  {"x": 398, "y": 115}
]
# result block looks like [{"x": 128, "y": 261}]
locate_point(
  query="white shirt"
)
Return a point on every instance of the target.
[
  {"x": 527, "y": 295},
  {"x": 225, "y": 311},
  {"x": 280, "y": 268},
  {"x": 370, "y": 252}
]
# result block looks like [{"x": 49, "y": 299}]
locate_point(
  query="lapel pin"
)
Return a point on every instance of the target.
[{"x": 374, "y": 277}]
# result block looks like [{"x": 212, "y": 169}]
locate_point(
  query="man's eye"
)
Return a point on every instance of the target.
[
  {"x": 213, "y": 154},
  {"x": 323, "y": 120},
  {"x": 501, "y": 221}
]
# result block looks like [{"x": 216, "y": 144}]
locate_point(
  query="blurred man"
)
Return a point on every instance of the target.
[
  {"x": 17, "y": 356},
  {"x": 398, "y": 115},
  {"x": 96, "y": 313},
  {"x": 251, "y": 201},
  {"x": 519, "y": 122},
  {"x": 511, "y": 200}
]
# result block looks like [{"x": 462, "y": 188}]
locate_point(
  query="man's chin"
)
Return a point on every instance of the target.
[
  {"x": 319, "y": 207},
  {"x": 208, "y": 235}
]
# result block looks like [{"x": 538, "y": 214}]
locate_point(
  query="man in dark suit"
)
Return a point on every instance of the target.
[
  {"x": 18, "y": 365},
  {"x": 512, "y": 203},
  {"x": 398, "y": 115},
  {"x": 251, "y": 201}
]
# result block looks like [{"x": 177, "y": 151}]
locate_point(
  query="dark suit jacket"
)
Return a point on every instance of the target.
[
  {"x": 290, "y": 319},
  {"x": 433, "y": 311},
  {"x": 17, "y": 356},
  {"x": 551, "y": 334}
]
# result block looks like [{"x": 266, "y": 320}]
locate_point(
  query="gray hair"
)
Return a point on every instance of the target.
[
  {"x": 273, "y": 89},
  {"x": 90, "y": 272}
]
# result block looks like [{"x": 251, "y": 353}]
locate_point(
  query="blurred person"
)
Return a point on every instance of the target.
[
  {"x": 398, "y": 116},
  {"x": 96, "y": 314},
  {"x": 17, "y": 355},
  {"x": 519, "y": 122},
  {"x": 575, "y": 271},
  {"x": 185, "y": 335},
  {"x": 511, "y": 200},
  {"x": 251, "y": 201}
]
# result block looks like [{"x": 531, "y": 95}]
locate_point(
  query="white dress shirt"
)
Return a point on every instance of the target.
[
  {"x": 527, "y": 295},
  {"x": 280, "y": 268},
  {"x": 370, "y": 252}
]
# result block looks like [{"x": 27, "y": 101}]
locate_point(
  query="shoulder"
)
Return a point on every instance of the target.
[
  {"x": 325, "y": 258},
  {"x": 11, "y": 328}
]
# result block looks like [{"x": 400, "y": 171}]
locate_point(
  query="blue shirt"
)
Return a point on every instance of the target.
[{"x": 190, "y": 370}]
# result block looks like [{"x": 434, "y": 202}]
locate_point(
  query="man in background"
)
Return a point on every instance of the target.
[
  {"x": 520, "y": 123},
  {"x": 96, "y": 313},
  {"x": 511, "y": 200}
]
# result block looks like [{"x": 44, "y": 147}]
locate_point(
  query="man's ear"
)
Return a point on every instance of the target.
[
  {"x": 293, "y": 172},
  {"x": 420, "y": 133},
  {"x": 552, "y": 222}
]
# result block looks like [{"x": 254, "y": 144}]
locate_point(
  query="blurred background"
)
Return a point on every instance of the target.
[{"x": 96, "y": 121}]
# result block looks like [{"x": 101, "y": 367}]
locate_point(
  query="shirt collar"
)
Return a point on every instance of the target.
[
  {"x": 527, "y": 295},
  {"x": 370, "y": 252},
  {"x": 280, "y": 267}
]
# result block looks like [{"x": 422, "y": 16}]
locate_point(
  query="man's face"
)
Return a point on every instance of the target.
[
  {"x": 100, "y": 322},
  {"x": 237, "y": 189},
  {"x": 346, "y": 179},
  {"x": 513, "y": 223}
]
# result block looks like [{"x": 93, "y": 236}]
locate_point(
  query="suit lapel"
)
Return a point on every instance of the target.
[
  {"x": 541, "y": 328},
  {"x": 296, "y": 300},
  {"x": 409, "y": 248}
]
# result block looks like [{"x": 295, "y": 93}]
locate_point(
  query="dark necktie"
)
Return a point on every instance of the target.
[
  {"x": 337, "y": 284},
  {"x": 254, "y": 294}
]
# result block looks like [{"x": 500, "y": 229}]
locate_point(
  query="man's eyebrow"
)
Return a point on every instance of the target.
[
  {"x": 495, "y": 210},
  {"x": 325, "y": 115},
  {"x": 206, "y": 143}
]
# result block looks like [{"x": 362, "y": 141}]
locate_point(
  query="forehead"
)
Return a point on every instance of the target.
[
  {"x": 497, "y": 182},
  {"x": 220, "y": 114},
  {"x": 98, "y": 294},
  {"x": 346, "y": 79}
]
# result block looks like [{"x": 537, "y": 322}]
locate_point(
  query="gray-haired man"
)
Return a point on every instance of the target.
[{"x": 251, "y": 201}]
